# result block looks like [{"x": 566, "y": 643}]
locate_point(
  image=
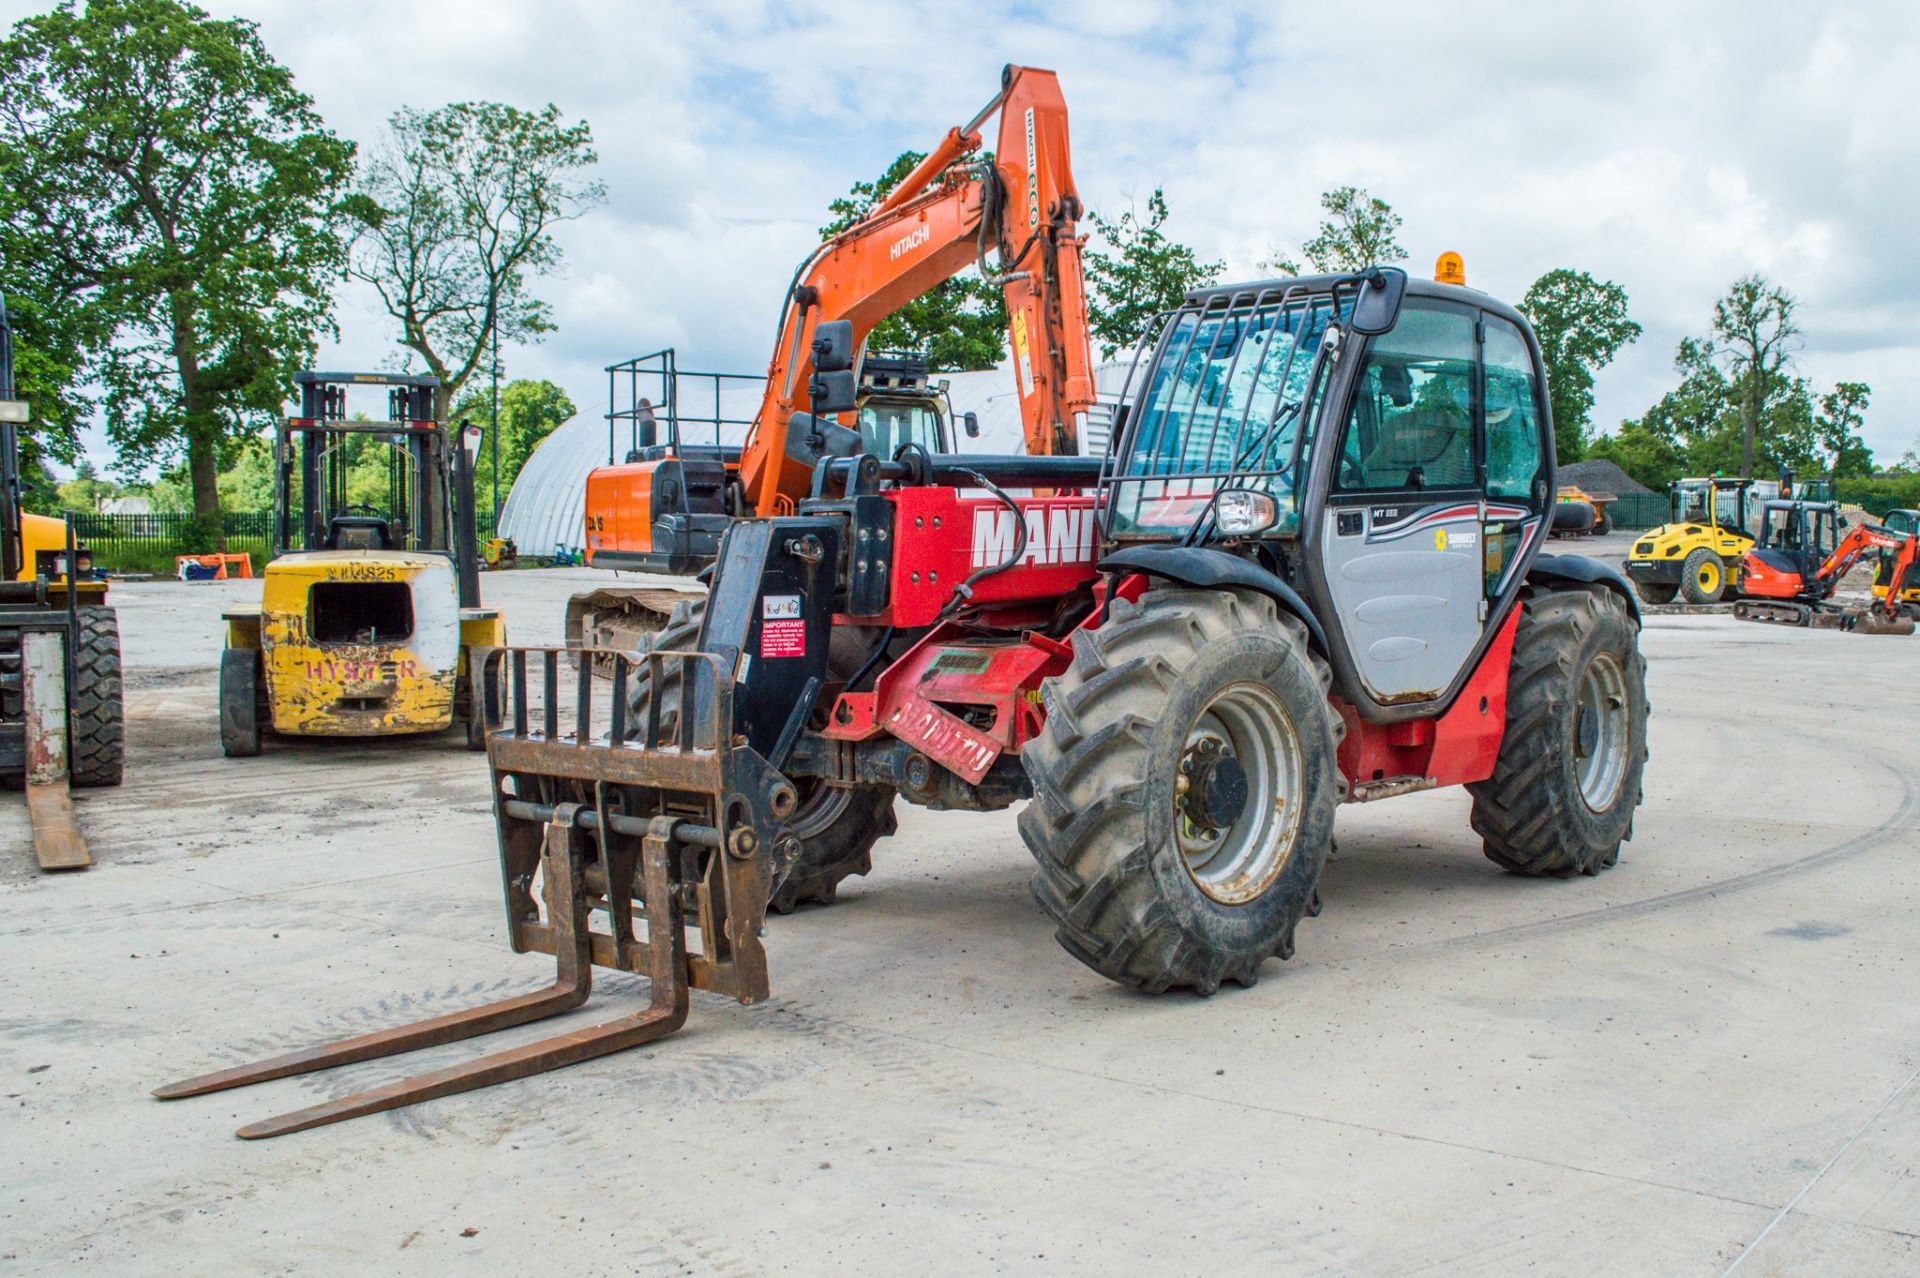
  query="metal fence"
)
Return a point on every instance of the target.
[
  {"x": 151, "y": 541},
  {"x": 1639, "y": 510}
]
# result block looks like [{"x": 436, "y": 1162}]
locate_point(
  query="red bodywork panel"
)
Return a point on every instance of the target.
[
  {"x": 1458, "y": 747},
  {"x": 942, "y": 538}
]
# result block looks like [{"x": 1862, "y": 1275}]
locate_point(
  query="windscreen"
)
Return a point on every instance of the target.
[{"x": 1224, "y": 401}]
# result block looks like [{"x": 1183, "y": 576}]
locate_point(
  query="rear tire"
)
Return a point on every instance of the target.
[
  {"x": 1602, "y": 522},
  {"x": 1655, "y": 592},
  {"x": 837, "y": 826},
  {"x": 1567, "y": 781},
  {"x": 1133, "y": 881},
  {"x": 96, "y": 728},
  {"x": 1703, "y": 577},
  {"x": 240, "y": 698}
]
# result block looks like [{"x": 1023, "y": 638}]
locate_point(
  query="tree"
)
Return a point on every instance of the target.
[
  {"x": 455, "y": 216},
  {"x": 1582, "y": 324},
  {"x": 529, "y": 412},
  {"x": 960, "y": 323},
  {"x": 1358, "y": 231},
  {"x": 1649, "y": 456},
  {"x": 1755, "y": 335},
  {"x": 1138, "y": 273},
  {"x": 165, "y": 187},
  {"x": 1842, "y": 412}
]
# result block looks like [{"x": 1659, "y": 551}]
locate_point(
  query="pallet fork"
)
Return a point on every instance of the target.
[{"x": 659, "y": 829}]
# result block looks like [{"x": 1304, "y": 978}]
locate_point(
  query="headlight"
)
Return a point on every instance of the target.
[{"x": 1242, "y": 513}]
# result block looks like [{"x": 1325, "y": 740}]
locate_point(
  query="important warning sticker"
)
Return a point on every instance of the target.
[{"x": 783, "y": 638}]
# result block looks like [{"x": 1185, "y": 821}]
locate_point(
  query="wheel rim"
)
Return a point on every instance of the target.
[
  {"x": 1243, "y": 745},
  {"x": 1601, "y": 721},
  {"x": 1709, "y": 577},
  {"x": 821, "y": 805}
]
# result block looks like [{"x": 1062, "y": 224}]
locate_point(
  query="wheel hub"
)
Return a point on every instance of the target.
[{"x": 1216, "y": 787}]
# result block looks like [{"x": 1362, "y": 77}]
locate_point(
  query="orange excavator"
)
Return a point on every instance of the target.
[
  {"x": 1791, "y": 573},
  {"x": 1013, "y": 216}
]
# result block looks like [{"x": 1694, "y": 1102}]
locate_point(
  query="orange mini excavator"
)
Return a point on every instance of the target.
[
  {"x": 1791, "y": 573},
  {"x": 1013, "y": 215}
]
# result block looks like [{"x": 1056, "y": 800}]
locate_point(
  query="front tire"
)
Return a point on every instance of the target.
[
  {"x": 1567, "y": 780},
  {"x": 1703, "y": 577},
  {"x": 1153, "y": 873},
  {"x": 837, "y": 826},
  {"x": 1655, "y": 592},
  {"x": 96, "y": 726},
  {"x": 240, "y": 700}
]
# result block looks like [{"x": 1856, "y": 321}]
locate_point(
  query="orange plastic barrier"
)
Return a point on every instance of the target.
[{"x": 241, "y": 564}]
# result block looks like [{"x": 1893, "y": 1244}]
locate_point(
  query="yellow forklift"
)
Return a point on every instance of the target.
[
  {"x": 370, "y": 608},
  {"x": 60, "y": 710}
]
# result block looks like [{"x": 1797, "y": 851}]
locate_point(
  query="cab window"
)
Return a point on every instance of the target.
[
  {"x": 885, "y": 425},
  {"x": 1516, "y": 454},
  {"x": 1411, "y": 427}
]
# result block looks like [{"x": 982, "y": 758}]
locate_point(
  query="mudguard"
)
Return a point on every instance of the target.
[
  {"x": 1211, "y": 569},
  {"x": 1586, "y": 572}
]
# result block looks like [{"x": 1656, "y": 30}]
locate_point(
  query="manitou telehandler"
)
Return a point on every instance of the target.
[
  {"x": 370, "y": 610},
  {"x": 60, "y": 710},
  {"x": 1791, "y": 574},
  {"x": 1308, "y": 571}
]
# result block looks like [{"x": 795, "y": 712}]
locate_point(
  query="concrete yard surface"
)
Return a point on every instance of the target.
[{"x": 1702, "y": 1060}]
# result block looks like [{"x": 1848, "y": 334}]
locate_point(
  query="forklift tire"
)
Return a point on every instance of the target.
[
  {"x": 240, "y": 702},
  {"x": 1157, "y": 702},
  {"x": 1703, "y": 577},
  {"x": 1565, "y": 786},
  {"x": 837, "y": 825},
  {"x": 96, "y": 731},
  {"x": 1655, "y": 592}
]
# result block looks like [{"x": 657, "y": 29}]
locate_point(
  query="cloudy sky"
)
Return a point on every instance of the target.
[{"x": 1670, "y": 147}]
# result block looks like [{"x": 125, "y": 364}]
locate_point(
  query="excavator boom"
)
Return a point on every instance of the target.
[{"x": 948, "y": 214}]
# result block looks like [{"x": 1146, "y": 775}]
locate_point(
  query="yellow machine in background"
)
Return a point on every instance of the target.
[
  {"x": 1695, "y": 554},
  {"x": 1900, "y": 521},
  {"x": 370, "y": 609}
]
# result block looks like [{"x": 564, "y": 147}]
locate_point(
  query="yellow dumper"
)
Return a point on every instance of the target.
[{"x": 370, "y": 608}]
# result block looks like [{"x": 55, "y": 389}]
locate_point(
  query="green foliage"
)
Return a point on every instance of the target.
[
  {"x": 454, "y": 215},
  {"x": 1137, "y": 273},
  {"x": 1754, "y": 336},
  {"x": 1841, "y": 413},
  {"x": 166, "y": 191},
  {"x": 529, "y": 412},
  {"x": 1359, "y": 230},
  {"x": 1582, "y": 324},
  {"x": 959, "y": 323},
  {"x": 1740, "y": 410},
  {"x": 1651, "y": 457}
]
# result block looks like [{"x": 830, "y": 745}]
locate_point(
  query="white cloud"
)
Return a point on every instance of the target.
[{"x": 1669, "y": 147}]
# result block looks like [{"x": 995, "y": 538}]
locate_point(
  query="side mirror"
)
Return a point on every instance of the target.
[
  {"x": 1382, "y": 289},
  {"x": 970, "y": 422},
  {"x": 831, "y": 393},
  {"x": 809, "y": 439},
  {"x": 833, "y": 346}
]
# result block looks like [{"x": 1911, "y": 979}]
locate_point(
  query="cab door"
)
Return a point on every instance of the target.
[{"x": 1402, "y": 525}]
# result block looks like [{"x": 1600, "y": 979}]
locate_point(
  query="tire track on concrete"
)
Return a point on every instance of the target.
[{"x": 1906, "y": 818}]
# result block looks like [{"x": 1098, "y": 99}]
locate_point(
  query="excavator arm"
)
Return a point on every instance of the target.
[
  {"x": 1014, "y": 216},
  {"x": 1859, "y": 540}
]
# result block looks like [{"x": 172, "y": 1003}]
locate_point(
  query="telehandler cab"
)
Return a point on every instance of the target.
[
  {"x": 370, "y": 609},
  {"x": 1307, "y": 573}
]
